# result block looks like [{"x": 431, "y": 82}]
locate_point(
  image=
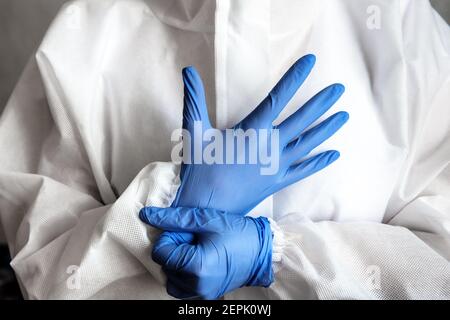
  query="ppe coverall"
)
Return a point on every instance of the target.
[{"x": 85, "y": 143}]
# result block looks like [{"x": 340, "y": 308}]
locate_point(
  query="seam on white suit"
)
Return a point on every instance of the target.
[{"x": 221, "y": 37}]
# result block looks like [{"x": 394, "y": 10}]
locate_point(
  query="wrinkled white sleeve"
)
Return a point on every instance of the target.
[
  {"x": 331, "y": 260},
  {"x": 66, "y": 241}
]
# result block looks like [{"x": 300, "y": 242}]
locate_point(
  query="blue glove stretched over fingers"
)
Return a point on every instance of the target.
[
  {"x": 238, "y": 188},
  {"x": 221, "y": 252}
]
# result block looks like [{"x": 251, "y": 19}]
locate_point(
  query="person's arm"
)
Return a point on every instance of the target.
[
  {"x": 330, "y": 260},
  {"x": 68, "y": 235},
  {"x": 407, "y": 259}
]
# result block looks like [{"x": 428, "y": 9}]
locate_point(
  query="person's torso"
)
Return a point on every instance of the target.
[{"x": 123, "y": 81}]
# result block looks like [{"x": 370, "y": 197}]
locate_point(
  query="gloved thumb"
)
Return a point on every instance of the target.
[
  {"x": 187, "y": 219},
  {"x": 169, "y": 243},
  {"x": 195, "y": 108}
]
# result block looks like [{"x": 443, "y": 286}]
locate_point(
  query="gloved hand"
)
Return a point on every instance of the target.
[
  {"x": 223, "y": 251},
  {"x": 238, "y": 188}
]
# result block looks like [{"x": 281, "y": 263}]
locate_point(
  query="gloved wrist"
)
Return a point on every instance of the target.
[{"x": 262, "y": 275}]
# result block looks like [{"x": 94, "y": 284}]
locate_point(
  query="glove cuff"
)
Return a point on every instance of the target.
[{"x": 262, "y": 275}]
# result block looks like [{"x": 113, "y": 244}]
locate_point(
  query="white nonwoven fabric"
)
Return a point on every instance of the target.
[{"x": 85, "y": 134}]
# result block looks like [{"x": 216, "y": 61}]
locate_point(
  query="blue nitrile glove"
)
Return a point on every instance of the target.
[
  {"x": 223, "y": 252},
  {"x": 238, "y": 188}
]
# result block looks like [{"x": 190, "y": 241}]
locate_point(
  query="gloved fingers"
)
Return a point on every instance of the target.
[
  {"x": 310, "y": 112},
  {"x": 182, "y": 237},
  {"x": 308, "y": 167},
  {"x": 269, "y": 109},
  {"x": 314, "y": 137},
  {"x": 186, "y": 286},
  {"x": 195, "y": 107},
  {"x": 175, "y": 290},
  {"x": 169, "y": 252},
  {"x": 186, "y": 219}
]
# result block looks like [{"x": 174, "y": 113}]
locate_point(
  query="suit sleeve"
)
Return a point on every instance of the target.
[{"x": 69, "y": 235}]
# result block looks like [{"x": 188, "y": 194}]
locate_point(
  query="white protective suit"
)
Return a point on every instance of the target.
[{"x": 85, "y": 142}]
